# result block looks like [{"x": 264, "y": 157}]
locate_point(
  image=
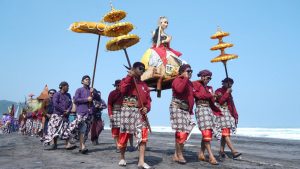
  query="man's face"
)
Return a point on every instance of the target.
[
  {"x": 51, "y": 93},
  {"x": 86, "y": 81},
  {"x": 118, "y": 86},
  {"x": 65, "y": 88},
  {"x": 189, "y": 72},
  {"x": 227, "y": 85},
  {"x": 139, "y": 70},
  {"x": 205, "y": 79}
]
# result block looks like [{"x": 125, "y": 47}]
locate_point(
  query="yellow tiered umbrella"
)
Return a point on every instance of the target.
[
  {"x": 219, "y": 34},
  {"x": 88, "y": 27},
  {"x": 221, "y": 46},
  {"x": 118, "y": 29},
  {"x": 114, "y": 15},
  {"x": 122, "y": 42},
  {"x": 223, "y": 57}
]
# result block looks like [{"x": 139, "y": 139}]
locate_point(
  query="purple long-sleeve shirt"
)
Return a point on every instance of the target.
[
  {"x": 83, "y": 106},
  {"x": 61, "y": 102}
]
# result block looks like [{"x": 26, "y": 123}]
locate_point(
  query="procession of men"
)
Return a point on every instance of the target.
[{"x": 75, "y": 119}]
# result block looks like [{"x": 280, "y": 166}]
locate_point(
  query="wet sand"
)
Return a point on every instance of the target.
[{"x": 17, "y": 151}]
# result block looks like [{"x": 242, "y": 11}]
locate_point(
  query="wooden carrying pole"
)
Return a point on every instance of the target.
[{"x": 95, "y": 63}]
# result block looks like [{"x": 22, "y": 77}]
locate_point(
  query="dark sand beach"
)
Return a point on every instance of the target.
[{"x": 17, "y": 151}]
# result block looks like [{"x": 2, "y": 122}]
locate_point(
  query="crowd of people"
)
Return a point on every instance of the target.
[
  {"x": 8, "y": 124},
  {"x": 62, "y": 117}
]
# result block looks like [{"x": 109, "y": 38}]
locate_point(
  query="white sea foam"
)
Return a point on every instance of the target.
[{"x": 281, "y": 133}]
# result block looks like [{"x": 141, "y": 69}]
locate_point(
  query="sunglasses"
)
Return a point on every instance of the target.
[
  {"x": 142, "y": 69},
  {"x": 208, "y": 78},
  {"x": 189, "y": 71},
  {"x": 51, "y": 93}
]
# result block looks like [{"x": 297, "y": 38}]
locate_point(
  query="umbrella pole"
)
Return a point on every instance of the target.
[
  {"x": 127, "y": 58},
  {"x": 95, "y": 64},
  {"x": 225, "y": 65},
  {"x": 138, "y": 92}
]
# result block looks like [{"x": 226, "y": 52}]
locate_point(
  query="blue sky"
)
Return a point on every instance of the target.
[{"x": 38, "y": 49}]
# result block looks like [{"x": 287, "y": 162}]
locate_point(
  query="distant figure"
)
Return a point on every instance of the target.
[
  {"x": 206, "y": 113},
  {"x": 34, "y": 116},
  {"x": 47, "y": 107},
  {"x": 22, "y": 122},
  {"x": 29, "y": 124},
  {"x": 132, "y": 120},
  {"x": 181, "y": 108},
  {"x": 84, "y": 98},
  {"x": 7, "y": 123},
  {"x": 58, "y": 123},
  {"x": 229, "y": 121},
  {"x": 39, "y": 129},
  {"x": 97, "y": 122}
]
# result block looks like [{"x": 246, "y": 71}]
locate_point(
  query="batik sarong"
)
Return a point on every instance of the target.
[
  {"x": 57, "y": 127},
  {"x": 116, "y": 118},
  {"x": 34, "y": 125},
  {"x": 226, "y": 121},
  {"x": 29, "y": 127},
  {"x": 81, "y": 124},
  {"x": 6, "y": 128},
  {"x": 132, "y": 121},
  {"x": 97, "y": 126},
  {"x": 206, "y": 119},
  {"x": 39, "y": 125},
  {"x": 181, "y": 120},
  {"x": 22, "y": 127}
]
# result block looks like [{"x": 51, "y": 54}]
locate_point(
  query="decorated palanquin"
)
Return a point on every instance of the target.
[{"x": 160, "y": 77}]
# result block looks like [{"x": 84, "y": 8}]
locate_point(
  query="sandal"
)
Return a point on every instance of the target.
[
  {"x": 84, "y": 151},
  {"x": 71, "y": 147},
  {"x": 122, "y": 163},
  {"x": 145, "y": 166},
  {"x": 222, "y": 155},
  {"x": 52, "y": 147},
  {"x": 181, "y": 161},
  {"x": 236, "y": 155}
]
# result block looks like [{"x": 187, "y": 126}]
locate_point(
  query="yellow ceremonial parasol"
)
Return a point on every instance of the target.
[
  {"x": 122, "y": 42},
  {"x": 223, "y": 57},
  {"x": 118, "y": 29},
  {"x": 100, "y": 28},
  {"x": 88, "y": 27},
  {"x": 114, "y": 15}
]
